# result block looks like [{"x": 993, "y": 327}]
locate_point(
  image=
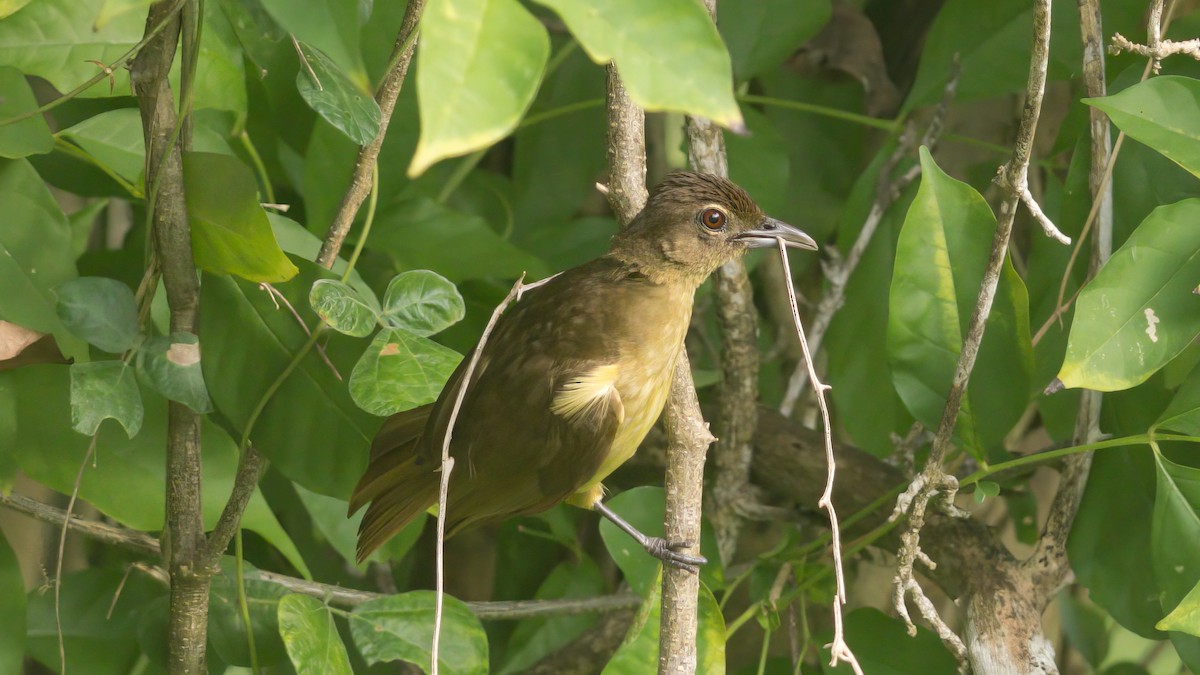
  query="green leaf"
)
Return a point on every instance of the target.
[
  {"x": 35, "y": 255},
  {"x": 103, "y": 390},
  {"x": 312, "y": 412},
  {"x": 128, "y": 478},
  {"x": 171, "y": 365},
  {"x": 99, "y": 310},
  {"x": 422, "y": 303},
  {"x": 10, "y": 7},
  {"x": 640, "y": 646},
  {"x": 761, "y": 35},
  {"x": 311, "y": 637},
  {"x": 341, "y": 307},
  {"x": 1162, "y": 112},
  {"x": 985, "y": 489},
  {"x": 400, "y": 627},
  {"x": 96, "y": 642},
  {"x": 329, "y": 25},
  {"x": 300, "y": 243},
  {"x": 684, "y": 67},
  {"x": 58, "y": 41},
  {"x": 940, "y": 258},
  {"x": 533, "y": 639},
  {"x": 422, "y": 234},
  {"x": 400, "y": 371},
  {"x": 882, "y": 645},
  {"x": 1086, "y": 627},
  {"x": 335, "y": 97},
  {"x": 479, "y": 65},
  {"x": 759, "y": 162},
  {"x": 1185, "y": 618},
  {"x": 230, "y": 230},
  {"x": 227, "y": 629},
  {"x": 27, "y": 137},
  {"x": 1175, "y": 541},
  {"x": 12, "y": 608},
  {"x": 1139, "y": 310},
  {"x": 115, "y": 8}
]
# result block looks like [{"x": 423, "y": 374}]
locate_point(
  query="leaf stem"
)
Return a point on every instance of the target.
[{"x": 373, "y": 201}]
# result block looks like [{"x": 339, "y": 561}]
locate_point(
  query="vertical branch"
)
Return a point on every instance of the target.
[
  {"x": 184, "y": 530},
  {"x": 1048, "y": 565},
  {"x": 737, "y": 412},
  {"x": 687, "y": 433},
  {"x": 364, "y": 166}
]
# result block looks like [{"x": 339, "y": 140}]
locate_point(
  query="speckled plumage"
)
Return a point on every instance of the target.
[{"x": 571, "y": 380}]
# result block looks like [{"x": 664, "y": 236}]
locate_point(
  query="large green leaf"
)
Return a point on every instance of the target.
[
  {"x": 329, "y": 516},
  {"x": 27, "y": 137},
  {"x": 227, "y": 626},
  {"x": 58, "y": 41},
  {"x": 35, "y": 255},
  {"x": 1139, "y": 311},
  {"x": 759, "y": 162},
  {"x": 100, "y": 310},
  {"x": 668, "y": 53},
  {"x": 127, "y": 479},
  {"x": 640, "y": 646},
  {"x": 311, "y": 430},
  {"x": 534, "y": 639},
  {"x": 940, "y": 259},
  {"x": 311, "y": 637},
  {"x": 422, "y": 234},
  {"x": 422, "y": 303},
  {"x": 100, "y": 610},
  {"x": 1162, "y": 112},
  {"x": 1175, "y": 541},
  {"x": 230, "y": 230},
  {"x": 400, "y": 627},
  {"x": 12, "y": 608},
  {"x": 883, "y": 645},
  {"x": 336, "y": 98},
  {"x": 401, "y": 371},
  {"x": 480, "y": 64},
  {"x": 761, "y": 35},
  {"x": 103, "y": 390}
]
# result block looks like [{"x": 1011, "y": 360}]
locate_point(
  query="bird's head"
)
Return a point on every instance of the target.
[{"x": 693, "y": 223}]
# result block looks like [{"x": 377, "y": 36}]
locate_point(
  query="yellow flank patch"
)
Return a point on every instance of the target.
[{"x": 589, "y": 394}]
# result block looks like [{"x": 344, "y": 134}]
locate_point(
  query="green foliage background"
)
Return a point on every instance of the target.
[{"x": 487, "y": 171}]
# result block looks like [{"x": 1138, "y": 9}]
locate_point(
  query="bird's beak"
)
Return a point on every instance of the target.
[{"x": 770, "y": 230}]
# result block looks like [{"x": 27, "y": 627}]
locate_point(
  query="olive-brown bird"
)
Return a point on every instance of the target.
[{"x": 573, "y": 376}]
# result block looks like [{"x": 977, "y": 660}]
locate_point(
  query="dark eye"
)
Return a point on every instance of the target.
[{"x": 713, "y": 219}]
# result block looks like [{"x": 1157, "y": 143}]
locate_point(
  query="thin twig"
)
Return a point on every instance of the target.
[
  {"x": 1156, "y": 48},
  {"x": 839, "y": 650},
  {"x": 62, "y": 546},
  {"x": 277, "y": 297},
  {"x": 1014, "y": 175}
]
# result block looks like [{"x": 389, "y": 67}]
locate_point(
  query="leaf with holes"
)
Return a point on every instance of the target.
[
  {"x": 400, "y": 371},
  {"x": 1139, "y": 311}
]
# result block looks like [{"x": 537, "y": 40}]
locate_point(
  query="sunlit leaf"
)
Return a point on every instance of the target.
[
  {"x": 400, "y": 627},
  {"x": 668, "y": 53},
  {"x": 422, "y": 303},
  {"x": 336, "y": 98},
  {"x": 1185, "y": 618},
  {"x": 1162, "y": 112},
  {"x": 99, "y": 310},
  {"x": 1139, "y": 311},
  {"x": 400, "y": 371},
  {"x": 103, "y": 390},
  {"x": 940, "y": 259},
  {"x": 479, "y": 65},
  {"x": 311, "y": 638},
  {"x": 230, "y": 230}
]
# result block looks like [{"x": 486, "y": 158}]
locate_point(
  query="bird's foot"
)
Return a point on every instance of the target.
[{"x": 671, "y": 553}]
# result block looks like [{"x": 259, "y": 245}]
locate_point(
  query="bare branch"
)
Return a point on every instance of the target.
[{"x": 1156, "y": 48}]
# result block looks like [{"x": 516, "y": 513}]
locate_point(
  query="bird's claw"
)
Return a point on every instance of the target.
[{"x": 671, "y": 554}]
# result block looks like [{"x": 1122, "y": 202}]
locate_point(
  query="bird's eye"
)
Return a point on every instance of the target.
[{"x": 713, "y": 219}]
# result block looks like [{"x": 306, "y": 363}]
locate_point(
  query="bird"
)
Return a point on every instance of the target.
[{"x": 572, "y": 378}]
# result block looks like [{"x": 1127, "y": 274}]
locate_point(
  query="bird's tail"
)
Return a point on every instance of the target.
[{"x": 398, "y": 483}]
